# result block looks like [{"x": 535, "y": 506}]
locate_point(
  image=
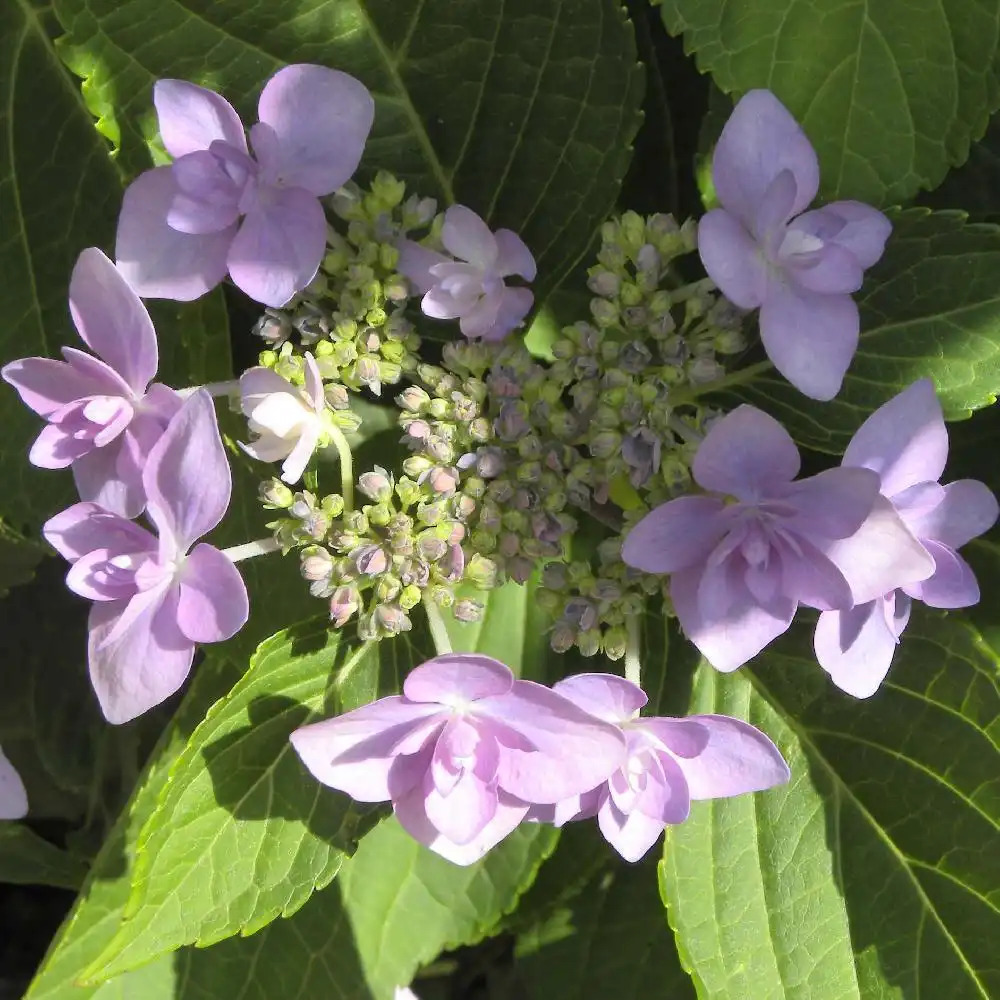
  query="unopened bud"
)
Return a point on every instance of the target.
[
  {"x": 467, "y": 610},
  {"x": 481, "y": 572},
  {"x": 275, "y": 495},
  {"x": 377, "y": 484}
]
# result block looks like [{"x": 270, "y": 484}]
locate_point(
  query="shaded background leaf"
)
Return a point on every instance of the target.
[{"x": 891, "y": 94}]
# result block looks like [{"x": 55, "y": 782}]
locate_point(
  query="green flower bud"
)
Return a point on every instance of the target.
[
  {"x": 275, "y": 495},
  {"x": 409, "y": 597},
  {"x": 409, "y": 492},
  {"x": 615, "y": 643},
  {"x": 548, "y": 600},
  {"x": 377, "y": 484},
  {"x": 630, "y": 295},
  {"x": 417, "y": 465},
  {"x": 267, "y": 359},
  {"x": 483, "y": 541},
  {"x": 589, "y": 642},
  {"x": 442, "y": 596},
  {"x": 481, "y": 572},
  {"x": 413, "y": 399},
  {"x": 379, "y": 515},
  {"x": 387, "y": 588},
  {"x": 356, "y": 521},
  {"x": 467, "y": 610},
  {"x": 562, "y": 637}
]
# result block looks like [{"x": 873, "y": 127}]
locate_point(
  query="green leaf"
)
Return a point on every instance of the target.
[
  {"x": 406, "y": 905},
  {"x": 875, "y": 871},
  {"x": 18, "y": 558},
  {"x": 890, "y": 94},
  {"x": 929, "y": 308},
  {"x": 27, "y": 859},
  {"x": 975, "y": 186},
  {"x": 240, "y": 804},
  {"x": 97, "y": 912},
  {"x": 512, "y": 629},
  {"x": 58, "y": 192},
  {"x": 522, "y": 109},
  {"x": 612, "y": 941}
]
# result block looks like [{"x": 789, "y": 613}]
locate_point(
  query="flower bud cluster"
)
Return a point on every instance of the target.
[
  {"x": 352, "y": 314},
  {"x": 378, "y": 562},
  {"x": 473, "y": 426}
]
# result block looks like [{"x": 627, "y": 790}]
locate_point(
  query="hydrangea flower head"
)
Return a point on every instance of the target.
[
  {"x": 13, "y": 797},
  {"x": 103, "y": 415},
  {"x": 670, "y": 763},
  {"x": 471, "y": 288},
  {"x": 744, "y": 557},
  {"x": 462, "y": 753},
  {"x": 217, "y": 209},
  {"x": 764, "y": 250},
  {"x": 905, "y": 442},
  {"x": 156, "y": 596},
  {"x": 289, "y": 422}
]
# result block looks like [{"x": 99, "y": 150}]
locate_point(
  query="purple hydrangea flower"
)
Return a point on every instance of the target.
[
  {"x": 906, "y": 443},
  {"x": 217, "y": 209},
  {"x": 156, "y": 596},
  {"x": 670, "y": 763},
  {"x": 13, "y": 797},
  {"x": 800, "y": 269},
  {"x": 289, "y": 423},
  {"x": 743, "y": 558},
  {"x": 103, "y": 415},
  {"x": 471, "y": 289},
  {"x": 462, "y": 753}
]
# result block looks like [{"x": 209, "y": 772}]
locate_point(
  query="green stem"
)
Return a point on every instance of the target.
[
  {"x": 633, "y": 667},
  {"x": 346, "y": 466},
  {"x": 439, "y": 633},
  {"x": 692, "y": 392}
]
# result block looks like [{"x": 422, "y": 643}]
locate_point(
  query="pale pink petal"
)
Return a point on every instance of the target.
[
  {"x": 858, "y": 228},
  {"x": 605, "y": 696},
  {"x": 279, "y": 246},
  {"x": 96, "y": 576},
  {"x": 373, "y": 753},
  {"x": 732, "y": 258},
  {"x": 810, "y": 338},
  {"x": 314, "y": 384},
  {"x": 466, "y": 236},
  {"x": 729, "y": 640},
  {"x": 760, "y": 140},
  {"x": 441, "y": 304},
  {"x": 774, "y": 211},
  {"x": 747, "y": 453},
  {"x": 464, "y": 804},
  {"x": 160, "y": 262},
  {"x": 574, "y": 752},
  {"x": 54, "y": 448},
  {"x": 631, "y": 835},
  {"x": 415, "y": 262},
  {"x": 737, "y": 758},
  {"x": 187, "y": 478},
  {"x": 458, "y": 678},
  {"x": 45, "y": 385},
  {"x": 813, "y": 579},
  {"x": 98, "y": 477},
  {"x": 967, "y": 510},
  {"x": 13, "y": 797},
  {"x": 513, "y": 256},
  {"x": 951, "y": 585},
  {"x": 568, "y": 810},
  {"x": 833, "y": 503},
  {"x": 144, "y": 665},
  {"x": 515, "y": 304},
  {"x": 905, "y": 440},
  {"x": 881, "y": 555},
  {"x": 112, "y": 320},
  {"x": 320, "y": 119},
  {"x": 412, "y": 815},
  {"x": 856, "y": 647},
  {"x": 208, "y": 197},
  {"x": 830, "y": 270},
  {"x": 193, "y": 117},
  {"x": 213, "y": 603},
  {"x": 682, "y": 737},
  {"x": 87, "y": 526},
  {"x": 481, "y": 319},
  {"x": 298, "y": 458},
  {"x": 675, "y": 535}
]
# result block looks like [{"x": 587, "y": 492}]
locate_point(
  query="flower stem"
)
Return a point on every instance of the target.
[
  {"x": 229, "y": 388},
  {"x": 249, "y": 550},
  {"x": 346, "y": 466},
  {"x": 439, "y": 633},
  {"x": 688, "y": 393},
  {"x": 633, "y": 667}
]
